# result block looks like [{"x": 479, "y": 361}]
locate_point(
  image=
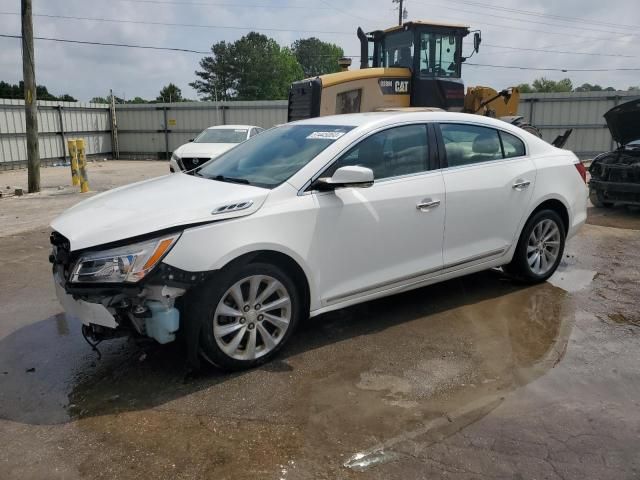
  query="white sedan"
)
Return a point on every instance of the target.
[
  {"x": 310, "y": 217},
  {"x": 209, "y": 144}
]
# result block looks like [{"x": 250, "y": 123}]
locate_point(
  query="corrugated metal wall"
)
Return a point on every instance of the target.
[
  {"x": 160, "y": 128},
  {"x": 553, "y": 113},
  {"x": 57, "y": 122},
  {"x": 155, "y": 130}
]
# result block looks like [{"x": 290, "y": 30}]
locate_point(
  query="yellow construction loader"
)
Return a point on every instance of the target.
[{"x": 413, "y": 66}]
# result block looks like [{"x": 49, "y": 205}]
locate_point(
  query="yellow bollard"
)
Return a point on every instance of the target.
[
  {"x": 82, "y": 166},
  {"x": 73, "y": 155}
]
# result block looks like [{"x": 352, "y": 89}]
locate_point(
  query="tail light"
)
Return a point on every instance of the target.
[{"x": 582, "y": 170}]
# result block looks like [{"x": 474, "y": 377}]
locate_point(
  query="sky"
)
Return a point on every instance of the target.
[{"x": 601, "y": 35}]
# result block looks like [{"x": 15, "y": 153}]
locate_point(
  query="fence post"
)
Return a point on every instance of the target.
[
  {"x": 73, "y": 155},
  {"x": 166, "y": 132},
  {"x": 82, "y": 166},
  {"x": 64, "y": 140},
  {"x": 115, "y": 147}
]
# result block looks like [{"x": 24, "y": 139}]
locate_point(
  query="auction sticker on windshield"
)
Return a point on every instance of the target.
[{"x": 326, "y": 135}]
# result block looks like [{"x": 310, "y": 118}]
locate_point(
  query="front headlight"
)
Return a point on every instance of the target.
[{"x": 123, "y": 264}]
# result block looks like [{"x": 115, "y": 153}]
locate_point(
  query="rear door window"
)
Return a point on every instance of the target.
[
  {"x": 469, "y": 144},
  {"x": 512, "y": 145}
]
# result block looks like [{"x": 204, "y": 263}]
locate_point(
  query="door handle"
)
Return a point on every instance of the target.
[
  {"x": 521, "y": 184},
  {"x": 426, "y": 204}
]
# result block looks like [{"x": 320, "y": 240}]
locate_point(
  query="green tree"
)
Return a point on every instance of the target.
[
  {"x": 543, "y": 84},
  {"x": 137, "y": 100},
  {"x": 170, "y": 93},
  {"x": 252, "y": 68},
  {"x": 525, "y": 88},
  {"x": 99, "y": 100},
  {"x": 633, "y": 88},
  {"x": 317, "y": 57},
  {"x": 16, "y": 91}
]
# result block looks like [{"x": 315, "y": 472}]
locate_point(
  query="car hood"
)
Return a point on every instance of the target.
[
  {"x": 153, "y": 205},
  {"x": 624, "y": 122},
  {"x": 203, "y": 150}
]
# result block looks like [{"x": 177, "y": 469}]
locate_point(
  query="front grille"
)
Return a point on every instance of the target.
[
  {"x": 189, "y": 163},
  {"x": 304, "y": 99}
]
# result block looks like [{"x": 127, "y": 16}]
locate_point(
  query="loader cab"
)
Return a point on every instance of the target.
[{"x": 432, "y": 51}]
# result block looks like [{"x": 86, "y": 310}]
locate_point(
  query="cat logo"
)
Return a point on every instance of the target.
[
  {"x": 395, "y": 86},
  {"x": 401, "y": 86}
]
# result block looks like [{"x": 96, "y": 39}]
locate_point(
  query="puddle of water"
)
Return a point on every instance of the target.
[{"x": 572, "y": 279}]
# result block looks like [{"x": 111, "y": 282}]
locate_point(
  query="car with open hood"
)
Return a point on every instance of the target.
[
  {"x": 615, "y": 175},
  {"x": 209, "y": 144},
  {"x": 310, "y": 217}
]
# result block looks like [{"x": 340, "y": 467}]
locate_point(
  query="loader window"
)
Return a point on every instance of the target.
[
  {"x": 397, "y": 50},
  {"x": 439, "y": 55}
]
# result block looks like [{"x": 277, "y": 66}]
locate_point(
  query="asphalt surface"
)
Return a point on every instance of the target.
[{"x": 479, "y": 377}]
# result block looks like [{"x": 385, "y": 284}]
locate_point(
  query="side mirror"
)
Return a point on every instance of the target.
[
  {"x": 351, "y": 176},
  {"x": 476, "y": 41},
  {"x": 191, "y": 139}
]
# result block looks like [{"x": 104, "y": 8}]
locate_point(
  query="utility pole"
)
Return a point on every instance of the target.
[
  {"x": 402, "y": 12},
  {"x": 30, "y": 104}
]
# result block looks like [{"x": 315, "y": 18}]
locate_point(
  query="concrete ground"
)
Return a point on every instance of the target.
[{"x": 479, "y": 377}]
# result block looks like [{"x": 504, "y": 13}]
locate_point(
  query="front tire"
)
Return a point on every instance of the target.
[
  {"x": 540, "y": 248},
  {"x": 247, "y": 313}
]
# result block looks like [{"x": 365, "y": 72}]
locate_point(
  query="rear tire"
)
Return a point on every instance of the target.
[
  {"x": 246, "y": 314},
  {"x": 540, "y": 248},
  {"x": 597, "y": 199}
]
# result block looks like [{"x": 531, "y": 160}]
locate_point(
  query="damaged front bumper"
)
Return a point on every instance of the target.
[{"x": 107, "y": 310}]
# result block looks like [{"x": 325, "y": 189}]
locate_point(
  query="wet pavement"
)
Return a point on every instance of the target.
[{"x": 479, "y": 377}]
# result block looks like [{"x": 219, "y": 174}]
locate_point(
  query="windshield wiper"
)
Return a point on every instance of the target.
[{"x": 222, "y": 178}]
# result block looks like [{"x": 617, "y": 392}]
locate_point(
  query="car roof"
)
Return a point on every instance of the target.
[
  {"x": 231, "y": 127},
  {"x": 394, "y": 116}
]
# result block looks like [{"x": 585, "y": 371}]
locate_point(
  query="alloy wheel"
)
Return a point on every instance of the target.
[
  {"x": 543, "y": 246},
  {"x": 252, "y": 317}
]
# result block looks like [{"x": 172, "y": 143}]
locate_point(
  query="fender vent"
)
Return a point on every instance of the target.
[{"x": 232, "y": 207}]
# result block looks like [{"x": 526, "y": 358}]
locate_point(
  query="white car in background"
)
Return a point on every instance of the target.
[
  {"x": 310, "y": 217},
  {"x": 209, "y": 144}
]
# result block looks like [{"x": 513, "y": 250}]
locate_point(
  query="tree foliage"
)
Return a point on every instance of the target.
[
  {"x": 170, "y": 93},
  {"x": 254, "y": 67},
  {"x": 587, "y": 87},
  {"x": 8, "y": 90},
  {"x": 317, "y": 57}
]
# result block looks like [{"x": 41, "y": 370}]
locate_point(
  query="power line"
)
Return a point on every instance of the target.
[
  {"x": 108, "y": 44},
  {"x": 169, "y": 24},
  {"x": 552, "y": 69},
  {"x": 545, "y": 15},
  {"x": 227, "y": 5},
  {"x": 543, "y": 50},
  {"x": 127, "y": 45},
  {"x": 511, "y": 19}
]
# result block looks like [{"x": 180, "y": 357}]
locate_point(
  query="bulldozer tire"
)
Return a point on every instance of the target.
[{"x": 527, "y": 127}]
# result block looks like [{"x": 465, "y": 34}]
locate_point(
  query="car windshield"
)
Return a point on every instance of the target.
[
  {"x": 269, "y": 159},
  {"x": 222, "y": 135}
]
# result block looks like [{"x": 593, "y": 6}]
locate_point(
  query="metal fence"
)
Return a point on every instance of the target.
[
  {"x": 155, "y": 130},
  {"x": 57, "y": 122},
  {"x": 553, "y": 113}
]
